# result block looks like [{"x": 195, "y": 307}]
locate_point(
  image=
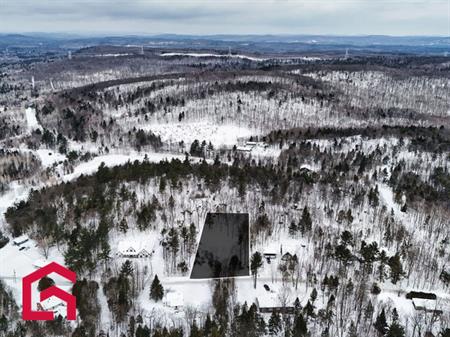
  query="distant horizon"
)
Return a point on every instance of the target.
[
  {"x": 243, "y": 17},
  {"x": 142, "y": 34}
]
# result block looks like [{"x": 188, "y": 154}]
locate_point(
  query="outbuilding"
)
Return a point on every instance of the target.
[{"x": 20, "y": 240}]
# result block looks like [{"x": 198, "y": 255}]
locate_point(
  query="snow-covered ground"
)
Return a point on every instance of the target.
[
  {"x": 32, "y": 122},
  {"x": 21, "y": 263},
  {"x": 49, "y": 157},
  {"x": 15, "y": 193}
]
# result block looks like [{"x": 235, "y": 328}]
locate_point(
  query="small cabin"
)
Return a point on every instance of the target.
[
  {"x": 281, "y": 310},
  {"x": 269, "y": 303},
  {"x": 270, "y": 256},
  {"x": 424, "y": 301},
  {"x": 427, "y": 305},
  {"x": 20, "y": 240},
  {"x": 244, "y": 148},
  {"x": 419, "y": 294}
]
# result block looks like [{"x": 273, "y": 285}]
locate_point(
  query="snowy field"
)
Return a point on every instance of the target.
[
  {"x": 49, "y": 157},
  {"x": 237, "y": 56},
  {"x": 32, "y": 122},
  {"x": 15, "y": 193},
  {"x": 218, "y": 135}
]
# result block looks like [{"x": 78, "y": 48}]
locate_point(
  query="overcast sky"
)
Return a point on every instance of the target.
[{"x": 339, "y": 17}]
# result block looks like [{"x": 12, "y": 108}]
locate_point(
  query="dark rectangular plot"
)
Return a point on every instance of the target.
[{"x": 223, "y": 250}]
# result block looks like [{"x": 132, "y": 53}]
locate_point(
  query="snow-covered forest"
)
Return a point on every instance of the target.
[{"x": 111, "y": 160}]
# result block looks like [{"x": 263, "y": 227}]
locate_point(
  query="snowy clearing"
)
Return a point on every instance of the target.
[
  {"x": 218, "y": 135},
  {"x": 238, "y": 56},
  {"x": 32, "y": 122}
]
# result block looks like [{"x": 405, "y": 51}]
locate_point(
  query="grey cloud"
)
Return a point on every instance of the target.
[{"x": 395, "y": 17}]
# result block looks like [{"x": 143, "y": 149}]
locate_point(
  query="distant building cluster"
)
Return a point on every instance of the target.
[
  {"x": 249, "y": 146},
  {"x": 132, "y": 249}
]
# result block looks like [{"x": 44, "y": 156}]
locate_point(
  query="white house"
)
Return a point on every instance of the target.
[
  {"x": 58, "y": 306},
  {"x": 51, "y": 303}
]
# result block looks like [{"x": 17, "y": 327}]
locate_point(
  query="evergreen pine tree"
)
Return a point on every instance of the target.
[
  {"x": 287, "y": 326},
  {"x": 293, "y": 228},
  {"x": 274, "y": 323},
  {"x": 123, "y": 226},
  {"x": 45, "y": 282},
  {"x": 325, "y": 332},
  {"x": 309, "y": 309},
  {"x": 381, "y": 323},
  {"x": 299, "y": 329},
  {"x": 305, "y": 221},
  {"x": 142, "y": 331},
  {"x": 394, "y": 315},
  {"x": 3, "y": 324},
  {"x": 368, "y": 311},
  {"x": 324, "y": 283},
  {"x": 162, "y": 184},
  {"x": 396, "y": 268},
  {"x": 297, "y": 304},
  {"x": 445, "y": 332},
  {"x": 127, "y": 268},
  {"x": 352, "y": 332},
  {"x": 404, "y": 208},
  {"x": 156, "y": 290},
  {"x": 131, "y": 326},
  {"x": 208, "y": 325},
  {"x": 255, "y": 264},
  {"x": 395, "y": 330},
  {"x": 195, "y": 331},
  {"x": 171, "y": 202},
  {"x": 105, "y": 251},
  {"x": 313, "y": 295},
  {"x": 382, "y": 257},
  {"x": 146, "y": 331}
]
